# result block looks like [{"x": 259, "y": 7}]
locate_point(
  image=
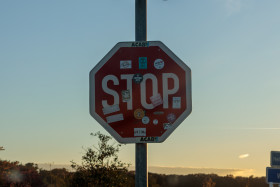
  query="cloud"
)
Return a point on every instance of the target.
[{"x": 243, "y": 156}]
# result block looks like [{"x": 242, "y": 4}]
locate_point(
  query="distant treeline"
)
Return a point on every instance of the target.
[
  {"x": 205, "y": 180},
  {"x": 16, "y": 174}
]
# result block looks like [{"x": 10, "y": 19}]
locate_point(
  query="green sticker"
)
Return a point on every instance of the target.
[{"x": 142, "y": 62}]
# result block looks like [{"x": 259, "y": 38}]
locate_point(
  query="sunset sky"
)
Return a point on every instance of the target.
[{"x": 47, "y": 49}]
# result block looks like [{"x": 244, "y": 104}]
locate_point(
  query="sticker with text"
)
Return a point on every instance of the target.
[
  {"x": 137, "y": 78},
  {"x": 143, "y": 63},
  {"x": 125, "y": 95},
  {"x": 158, "y": 63},
  {"x": 156, "y": 100},
  {"x": 139, "y": 131},
  {"x": 149, "y": 139},
  {"x": 139, "y": 113},
  {"x": 176, "y": 102},
  {"x": 140, "y": 44},
  {"x": 125, "y": 64}
]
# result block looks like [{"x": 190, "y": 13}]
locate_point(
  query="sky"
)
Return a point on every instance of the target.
[{"x": 47, "y": 49}]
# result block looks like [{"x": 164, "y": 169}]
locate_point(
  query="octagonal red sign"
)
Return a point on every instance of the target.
[{"x": 140, "y": 92}]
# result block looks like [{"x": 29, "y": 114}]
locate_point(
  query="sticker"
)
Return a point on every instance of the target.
[
  {"x": 139, "y": 113},
  {"x": 139, "y": 131},
  {"x": 145, "y": 120},
  {"x": 125, "y": 95},
  {"x": 171, "y": 117},
  {"x": 155, "y": 121},
  {"x": 176, "y": 102},
  {"x": 114, "y": 118},
  {"x": 149, "y": 139},
  {"x": 137, "y": 78},
  {"x": 140, "y": 44},
  {"x": 158, "y": 113},
  {"x": 159, "y": 64},
  {"x": 166, "y": 126},
  {"x": 110, "y": 109},
  {"x": 156, "y": 100},
  {"x": 125, "y": 64},
  {"x": 142, "y": 62}
]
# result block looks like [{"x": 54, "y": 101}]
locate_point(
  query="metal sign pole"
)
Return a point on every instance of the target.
[{"x": 141, "y": 149}]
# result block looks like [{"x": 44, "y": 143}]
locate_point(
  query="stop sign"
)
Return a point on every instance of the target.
[{"x": 140, "y": 92}]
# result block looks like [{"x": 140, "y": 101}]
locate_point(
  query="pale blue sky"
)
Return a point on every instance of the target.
[{"x": 47, "y": 49}]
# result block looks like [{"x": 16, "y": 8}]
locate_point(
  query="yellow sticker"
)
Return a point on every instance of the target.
[{"x": 139, "y": 113}]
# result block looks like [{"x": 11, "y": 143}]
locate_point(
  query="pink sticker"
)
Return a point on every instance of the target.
[{"x": 156, "y": 100}]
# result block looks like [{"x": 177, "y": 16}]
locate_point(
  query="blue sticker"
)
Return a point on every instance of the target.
[{"x": 142, "y": 62}]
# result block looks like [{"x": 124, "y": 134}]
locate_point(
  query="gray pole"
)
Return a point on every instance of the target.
[
  {"x": 140, "y": 20},
  {"x": 141, "y": 149}
]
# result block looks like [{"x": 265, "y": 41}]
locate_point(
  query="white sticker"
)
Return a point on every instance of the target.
[
  {"x": 110, "y": 109},
  {"x": 125, "y": 95},
  {"x": 139, "y": 131},
  {"x": 155, "y": 121},
  {"x": 114, "y": 118},
  {"x": 156, "y": 100},
  {"x": 145, "y": 120},
  {"x": 125, "y": 64},
  {"x": 176, "y": 102},
  {"x": 159, "y": 63},
  {"x": 166, "y": 126}
]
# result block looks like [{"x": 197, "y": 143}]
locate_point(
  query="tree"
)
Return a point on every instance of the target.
[
  {"x": 208, "y": 182},
  {"x": 15, "y": 174},
  {"x": 56, "y": 177},
  {"x": 101, "y": 165}
]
